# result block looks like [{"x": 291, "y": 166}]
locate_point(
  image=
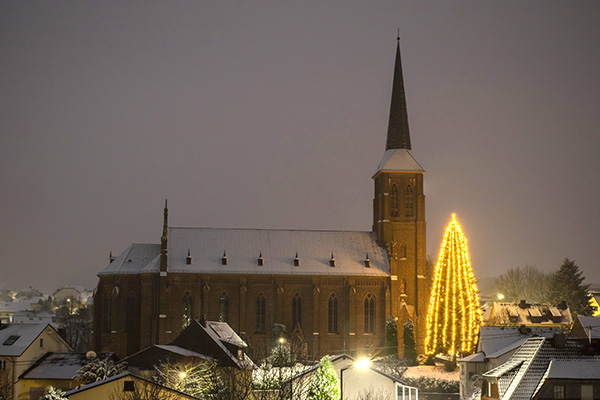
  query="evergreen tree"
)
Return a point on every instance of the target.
[
  {"x": 454, "y": 316},
  {"x": 410, "y": 351},
  {"x": 53, "y": 393},
  {"x": 325, "y": 384},
  {"x": 567, "y": 285},
  {"x": 99, "y": 370},
  {"x": 391, "y": 337}
]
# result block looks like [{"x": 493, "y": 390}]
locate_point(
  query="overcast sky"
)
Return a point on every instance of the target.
[{"x": 274, "y": 115}]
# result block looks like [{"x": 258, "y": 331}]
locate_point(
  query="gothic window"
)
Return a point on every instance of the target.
[
  {"x": 394, "y": 204},
  {"x": 332, "y": 320},
  {"x": 108, "y": 314},
  {"x": 224, "y": 308},
  {"x": 296, "y": 311},
  {"x": 408, "y": 201},
  {"x": 187, "y": 310},
  {"x": 369, "y": 314},
  {"x": 261, "y": 313},
  {"x": 132, "y": 316}
]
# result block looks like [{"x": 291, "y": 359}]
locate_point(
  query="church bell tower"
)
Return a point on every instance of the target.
[{"x": 399, "y": 216}]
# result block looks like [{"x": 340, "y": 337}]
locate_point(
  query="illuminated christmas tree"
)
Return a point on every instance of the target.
[{"x": 454, "y": 316}]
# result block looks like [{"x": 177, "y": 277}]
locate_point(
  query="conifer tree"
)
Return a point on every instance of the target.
[
  {"x": 325, "y": 384},
  {"x": 410, "y": 352},
  {"x": 53, "y": 393},
  {"x": 567, "y": 285},
  {"x": 391, "y": 337},
  {"x": 453, "y": 317}
]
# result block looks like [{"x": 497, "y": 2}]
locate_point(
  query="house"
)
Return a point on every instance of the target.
[
  {"x": 495, "y": 346},
  {"x": 523, "y": 313},
  {"x": 586, "y": 327},
  {"x": 210, "y": 341},
  {"x": 542, "y": 368},
  {"x": 365, "y": 381},
  {"x": 33, "y": 317},
  {"x": 55, "y": 369},
  {"x": 21, "y": 346},
  {"x": 126, "y": 386},
  {"x": 332, "y": 289}
]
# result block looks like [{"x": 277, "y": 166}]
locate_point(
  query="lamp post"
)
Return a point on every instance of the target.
[{"x": 360, "y": 364}]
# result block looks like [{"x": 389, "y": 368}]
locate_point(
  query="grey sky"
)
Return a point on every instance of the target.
[{"x": 274, "y": 115}]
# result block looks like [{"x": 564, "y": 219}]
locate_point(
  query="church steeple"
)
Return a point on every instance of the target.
[{"x": 398, "y": 136}]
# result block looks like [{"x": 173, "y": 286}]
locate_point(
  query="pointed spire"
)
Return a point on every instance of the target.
[
  {"x": 398, "y": 136},
  {"x": 164, "y": 240}
]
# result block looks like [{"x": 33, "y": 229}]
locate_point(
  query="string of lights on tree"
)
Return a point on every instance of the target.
[{"x": 454, "y": 316}]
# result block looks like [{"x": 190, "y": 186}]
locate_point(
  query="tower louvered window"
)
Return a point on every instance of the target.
[
  {"x": 187, "y": 310},
  {"x": 408, "y": 202},
  {"x": 224, "y": 308},
  {"x": 297, "y": 311},
  {"x": 261, "y": 313},
  {"x": 332, "y": 320},
  {"x": 369, "y": 314},
  {"x": 394, "y": 202}
]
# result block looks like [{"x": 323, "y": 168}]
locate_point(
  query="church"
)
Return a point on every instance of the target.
[{"x": 328, "y": 291}]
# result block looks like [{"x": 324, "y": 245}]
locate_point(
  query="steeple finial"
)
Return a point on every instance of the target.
[{"x": 398, "y": 136}]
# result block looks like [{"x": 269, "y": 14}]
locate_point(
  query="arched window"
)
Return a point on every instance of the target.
[
  {"x": 402, "y": 251},
  {"x": 369, "y": 314},
  {"x": 394, "y": 202},
  {"x": 132, "y": 315},
  {"x": 408, "y": 201},
  {"x": 187, "y": 310},
  {"x": 261, "y": 313},
  {"x": 332, "y": 320},
  {"x": 296, "y": 311},
  {"x": 108, "y": 313},
  {"x": 224, "y": 307}
]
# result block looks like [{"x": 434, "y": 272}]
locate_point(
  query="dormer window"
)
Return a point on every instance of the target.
[
  {"x": 260, "y": 261},
  {"x": 332, "y": 261},
  {"x": 367, "y": 262},
  {"x": 188, "y": 259},
  {"x": 224, "y": 258},
  {"x": 296, "y": 261}
]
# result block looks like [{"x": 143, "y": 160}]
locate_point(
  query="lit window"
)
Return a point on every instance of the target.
[
  {"x": 187, "y": 310},
  {"x": 559, "y": 392}
]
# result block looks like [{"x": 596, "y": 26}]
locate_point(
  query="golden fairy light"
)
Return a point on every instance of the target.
[{"x": 454, "y": 316}]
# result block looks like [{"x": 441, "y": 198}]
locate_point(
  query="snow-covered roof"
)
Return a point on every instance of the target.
[
  {"x": 59, "y": 365},
  {"x": 521, "y": 377},
  {"x": 15, "y": 339},
  {"x": 225, "y": 333},
  {"x": 574, "y": 369},
  {"x": 590, "y": 325},
  {"x": 476, "y": 357},
  {"x": 497, "y": 340},
  {"x": 399, "y": 160},
  {"x": 182, "y": 352},
  {"x": 244, "y": 246}
]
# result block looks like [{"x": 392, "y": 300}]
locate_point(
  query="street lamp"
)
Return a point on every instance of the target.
[{"x": 360, "y": 364}]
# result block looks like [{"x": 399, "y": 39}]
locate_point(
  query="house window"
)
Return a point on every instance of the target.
[
  {"x": 128, "y": 386},
  {"x": 41, "y": 343},
  {"x": 332, "y": 320},
  {"x": 261, "y": 308},
  {"x": 187, "y": 310},
  {"x": 369, "y": 314},
  {"x": 394, "y": 204},
  {"x": 224, "y": 308},
  {"x": 559, "y": 392},
  {"x": 408, "y": 202},
  {"x": 297, "y": 311}
]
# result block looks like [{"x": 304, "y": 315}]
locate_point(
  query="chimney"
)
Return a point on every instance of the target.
[
  {"x": 559, "y": 340},
  {"x": 523, "y": 304}
]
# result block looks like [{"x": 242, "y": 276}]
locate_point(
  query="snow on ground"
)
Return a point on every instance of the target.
[{"x": 431, "y": 371}]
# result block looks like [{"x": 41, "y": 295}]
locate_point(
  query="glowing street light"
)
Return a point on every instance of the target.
[{"x": 360, "y": 364}]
